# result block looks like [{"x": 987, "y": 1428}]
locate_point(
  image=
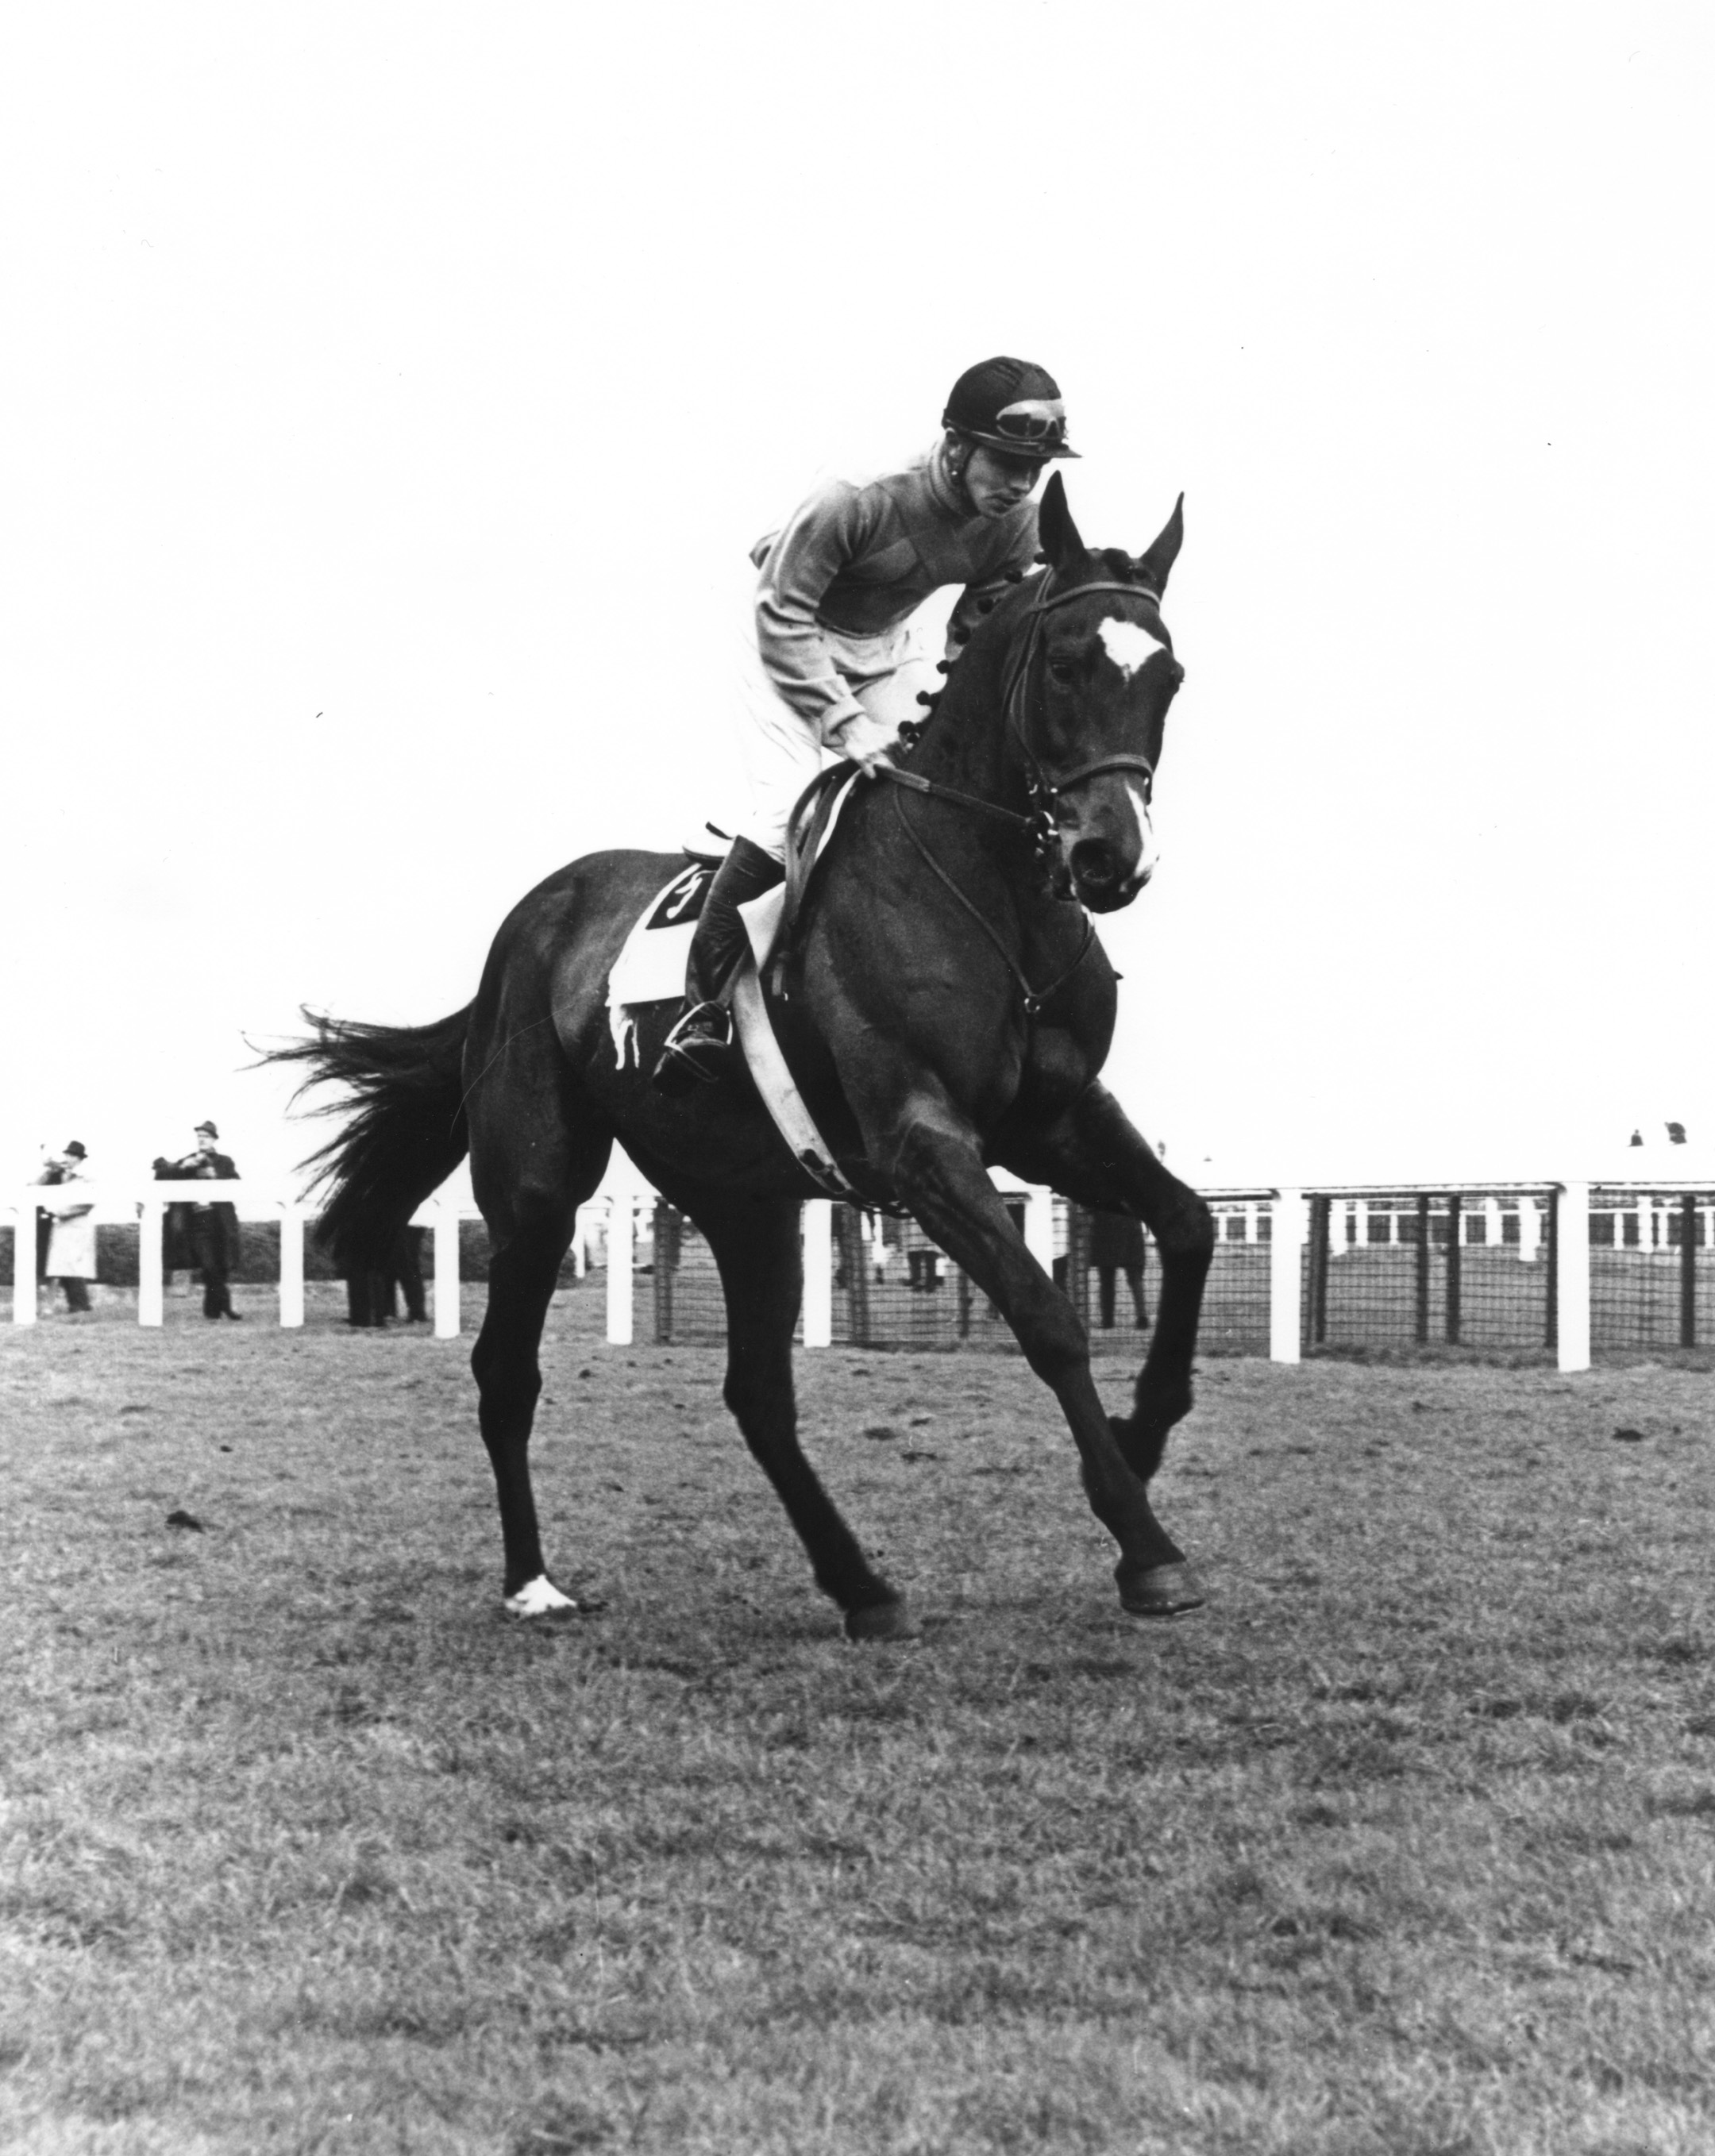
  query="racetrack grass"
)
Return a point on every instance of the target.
[{"x": 1405, "y": 1843}]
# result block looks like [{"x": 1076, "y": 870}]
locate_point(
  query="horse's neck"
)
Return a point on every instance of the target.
[{"x": 967, "y": 744}]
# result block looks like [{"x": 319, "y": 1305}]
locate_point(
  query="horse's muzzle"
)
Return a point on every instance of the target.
[{"x": 1102, "y": 879}]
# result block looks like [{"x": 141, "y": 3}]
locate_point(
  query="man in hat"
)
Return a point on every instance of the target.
[
  {"x": 836, "y": 667},
  {"x": 70, "y": 1257},
  {"x": 213, "y": 1228}
]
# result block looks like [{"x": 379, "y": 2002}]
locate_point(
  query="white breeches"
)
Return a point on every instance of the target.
[{"x": 781, "y": 755}]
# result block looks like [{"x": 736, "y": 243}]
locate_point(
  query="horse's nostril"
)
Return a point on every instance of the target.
[{"x": 1093, "y": 862}]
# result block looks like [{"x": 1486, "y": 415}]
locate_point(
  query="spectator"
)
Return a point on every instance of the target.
[
  {"x": 52, "y": 1172},
  {"x": 1116, "y": 1246},
  {"x": 70, "y": 1258},
  {"x": 923, "y": 1259},
  {"x": 213, "y": 1228},
  {"x": 372, "y": 1296}
]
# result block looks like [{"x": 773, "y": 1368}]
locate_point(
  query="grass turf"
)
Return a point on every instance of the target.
[{"x": 1403, "y": 1847}]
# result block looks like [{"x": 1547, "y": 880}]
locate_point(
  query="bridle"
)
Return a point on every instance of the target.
[{"x": 1045, "y": 786}]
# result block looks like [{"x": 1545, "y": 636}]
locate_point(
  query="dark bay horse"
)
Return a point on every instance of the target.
[{"x": 948, "y": 1008}]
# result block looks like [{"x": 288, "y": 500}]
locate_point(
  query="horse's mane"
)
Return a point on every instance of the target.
[{"x": 1111, "y": 564}]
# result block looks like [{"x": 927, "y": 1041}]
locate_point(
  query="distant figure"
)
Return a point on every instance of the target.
[
  {"x": 407, "y": 1268},
  {"x": 70, "y": 1258},
  {"x": 1636, "y": 1138},
  {"x": 1676, "y": 1134},
  {"x": 922, "y": 1260},
  {"x": 52, "y": 1172},
  {"x": 213, "y": 1228},
  {"x": 372, "y": 1296},
  {"x": 1116, "y": 1246}
]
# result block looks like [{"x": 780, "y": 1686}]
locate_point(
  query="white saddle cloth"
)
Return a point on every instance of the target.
[
  {"x": 650, "y": 970},
  {"x": 650, "y": 967}
]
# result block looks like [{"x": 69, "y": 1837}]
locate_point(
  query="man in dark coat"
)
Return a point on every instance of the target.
[
  {"x": 372, "y": 1296},
  {"x": 213, "y": 1228},
  {"x": 1116, "y": 1246}
]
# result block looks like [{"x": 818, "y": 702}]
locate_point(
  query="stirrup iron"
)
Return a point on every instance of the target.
[{"x": 696, "y": 1050}]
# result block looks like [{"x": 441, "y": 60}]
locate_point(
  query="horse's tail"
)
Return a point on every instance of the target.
[{"x": 407, "y": 1130}]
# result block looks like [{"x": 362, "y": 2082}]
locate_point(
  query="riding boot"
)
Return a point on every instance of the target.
[{"x": 696, "y": 1050}]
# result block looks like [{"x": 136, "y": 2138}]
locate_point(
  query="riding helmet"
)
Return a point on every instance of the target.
[{"x": 1012, "y": 406}]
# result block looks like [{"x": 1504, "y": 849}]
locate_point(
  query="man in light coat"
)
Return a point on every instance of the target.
[{"x": 71, "y": 1242}]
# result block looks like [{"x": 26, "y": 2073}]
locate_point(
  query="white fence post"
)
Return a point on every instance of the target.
[
  {"x": 291, "y": 1263},
  {"x": 1530, "y": 1230},
  {"x": 1286, "y": 1314},
  {"x": 446, "y": 1270},
  {"x": 1039, "y": 1228},
  {"x": 23, "y": 1263},
  {"x": 1572, "y": 1315},
  {"x": 818, "y": 1272},
  {"x": 619, "y": 1260},
  {"x": 152, "y": 1220}
]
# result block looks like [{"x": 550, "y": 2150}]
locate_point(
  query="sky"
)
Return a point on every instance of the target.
[{"x": 392, "y": 394}]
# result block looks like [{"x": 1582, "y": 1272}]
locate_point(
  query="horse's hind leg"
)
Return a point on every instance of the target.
[
  {"x": 530, "y": 1172},
  {"x": 756, "y": 1246}
]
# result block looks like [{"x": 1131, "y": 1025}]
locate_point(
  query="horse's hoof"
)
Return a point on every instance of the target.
[
  {"x": 1164, "y": 1590},
  {"x": 538, "y": 1598},
  {"x": 883, "y": 1620}
]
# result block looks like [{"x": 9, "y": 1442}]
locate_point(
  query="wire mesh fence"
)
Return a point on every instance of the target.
[
  {"x": 893, "y": 1288},
  {"x": 1413, "y": 1269},
  {"x": 1652, "y": 1269}
]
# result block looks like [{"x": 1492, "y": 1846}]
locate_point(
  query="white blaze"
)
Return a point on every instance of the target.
[{"x": 1128, "y": 643}]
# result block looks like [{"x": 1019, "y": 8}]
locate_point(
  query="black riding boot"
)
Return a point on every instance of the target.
[{"x": 696, "y": 1047}]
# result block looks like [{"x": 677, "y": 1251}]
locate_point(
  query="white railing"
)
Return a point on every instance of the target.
[
  {"x": 250, "y": 1201},
  {"x": 1286, "y": 1211}
]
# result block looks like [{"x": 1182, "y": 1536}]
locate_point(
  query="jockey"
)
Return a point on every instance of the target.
[{"x": 836, "y": 667}]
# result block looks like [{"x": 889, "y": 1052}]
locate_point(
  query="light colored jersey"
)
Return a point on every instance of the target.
[{"x": 856, "y": 561}]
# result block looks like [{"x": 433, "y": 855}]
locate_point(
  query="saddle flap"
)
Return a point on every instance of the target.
[{"x": 762, "y": 918}]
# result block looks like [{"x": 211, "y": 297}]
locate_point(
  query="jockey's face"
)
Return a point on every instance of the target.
[{"x": 996, "y": 482}]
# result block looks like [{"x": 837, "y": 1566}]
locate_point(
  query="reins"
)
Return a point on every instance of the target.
[
  {"x": 1033, "y": 999},
  {"x": 1045, "y": 786}
]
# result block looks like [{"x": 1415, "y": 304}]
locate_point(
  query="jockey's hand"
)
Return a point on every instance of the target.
[{"x": 865, "y": 742}]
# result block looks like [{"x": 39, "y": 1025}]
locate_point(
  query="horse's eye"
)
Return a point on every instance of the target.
[{"x": 1060, "y": 672}]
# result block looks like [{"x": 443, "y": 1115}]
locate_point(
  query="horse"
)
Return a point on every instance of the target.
[{"x": 947, "y": 1008}]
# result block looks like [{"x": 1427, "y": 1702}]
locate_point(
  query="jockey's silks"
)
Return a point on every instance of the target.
[{"x": 860, "y": 556}]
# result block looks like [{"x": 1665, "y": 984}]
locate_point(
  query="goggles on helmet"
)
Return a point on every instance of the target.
[
  {"x": 1037, "y": 422},
  {"x": 1011, "y": 404}
]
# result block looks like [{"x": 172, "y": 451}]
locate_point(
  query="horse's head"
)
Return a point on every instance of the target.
[{"x": 1095, "y": 677}]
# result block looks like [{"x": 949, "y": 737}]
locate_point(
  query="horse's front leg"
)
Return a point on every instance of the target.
[
  {"x": 935, "y": 1163},
  {"x": 1093, "y": 1155}
]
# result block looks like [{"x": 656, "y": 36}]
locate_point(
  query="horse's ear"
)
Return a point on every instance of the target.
[
  {"x": 1055, "y": 529},
  {"x": 1154, "y": 567}
]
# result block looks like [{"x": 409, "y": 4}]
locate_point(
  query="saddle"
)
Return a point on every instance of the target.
[
  {"x": 650, "y": 968},
  {"x": 807, "y": 836}
]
